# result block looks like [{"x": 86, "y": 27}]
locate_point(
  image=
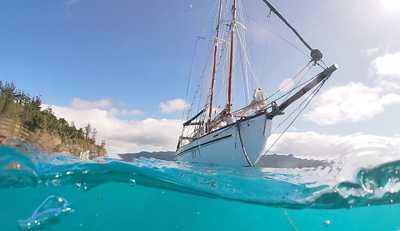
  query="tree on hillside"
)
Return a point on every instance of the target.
[
  {"x": 87, "y": 131},
  {"x": 27, "y": 110},
  {"x": 94, "y": 133}
]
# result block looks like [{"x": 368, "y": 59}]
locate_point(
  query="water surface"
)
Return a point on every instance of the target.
[{"x": 60, "y": 193}]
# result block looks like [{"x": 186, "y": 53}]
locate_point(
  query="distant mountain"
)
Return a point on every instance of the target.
[
  {"x": 170, "y": 156},
  {"x": 290, "y": 161},
  {"x": 267, "y": 161}
]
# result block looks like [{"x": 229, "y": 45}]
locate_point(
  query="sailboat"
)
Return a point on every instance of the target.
[{"x": 239, "y": 137}]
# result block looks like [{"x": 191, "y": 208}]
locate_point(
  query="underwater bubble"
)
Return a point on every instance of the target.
[
  {"x": 67, "y": 210},
  {"x": 14, "y": 166},
  {"x": 327, "y": 222},
  {"x": 69, "y": 173},
  {"x": 55, "y": 182},
  {"x": 82, "y": 186},
  {"x": 48, "y": 213}
]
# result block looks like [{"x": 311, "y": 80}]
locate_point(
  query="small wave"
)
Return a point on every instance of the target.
[{"x": 317, "y": 187}]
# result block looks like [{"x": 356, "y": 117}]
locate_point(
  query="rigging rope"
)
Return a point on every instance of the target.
[
  {"x": 290, "y": 43},
  {"x": 308, "y": 101},
  {"x": 249, "y": 77},
  {"x": 299, "y": 79},
  {"x": 275, "y": 11},
  {"x": 290, "y": 221},
  {"x": 189, "y": 83},
  {"x": 315, "y": 54},
  {"x": 298, "y": 108},
  {"x": 301, "y": 72},
  {"x": 244, "y": 66},
  {"x": 198, "y": 92},
  {"x": 220, "y": 71},
  {"x": 251, "y": 164}
]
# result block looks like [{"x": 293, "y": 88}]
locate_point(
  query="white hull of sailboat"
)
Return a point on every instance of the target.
[{"x": 239, "y": 144}]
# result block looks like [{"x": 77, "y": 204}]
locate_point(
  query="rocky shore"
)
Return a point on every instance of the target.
[
  {"x": 12, "y": 133},
  {"x": 24, "y": 122}
]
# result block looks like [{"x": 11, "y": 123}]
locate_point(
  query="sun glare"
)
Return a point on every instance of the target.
[{"x": 391, "y": 5}]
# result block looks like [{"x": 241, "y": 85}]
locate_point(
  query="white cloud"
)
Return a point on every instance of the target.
[
  {"x": 389, "y": 85},
  {"x": 126, "y": 112},
  {"x": 121, "y": 135},
  {"x": 356, "y": 102},
  {"x": 172, "y": 106},
  {"x": 84, "y": 104},
  {"x": 387, "y": 71},
  {"x": 105, "y": 104},
  {"x": 353, "y": 102},
  {"x": 390, "y": 6},
  {"x": 388, "y": 65}
]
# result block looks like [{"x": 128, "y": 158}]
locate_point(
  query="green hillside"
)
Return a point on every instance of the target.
[{"x": 23, "y": 119}]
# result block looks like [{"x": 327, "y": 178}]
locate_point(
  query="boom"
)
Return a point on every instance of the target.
[
  {"x": 320, "y": 77},
  {"x": 316, "y": 54}
]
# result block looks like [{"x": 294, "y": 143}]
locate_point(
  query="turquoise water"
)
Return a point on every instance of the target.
[{"x": 58, "y": 193}]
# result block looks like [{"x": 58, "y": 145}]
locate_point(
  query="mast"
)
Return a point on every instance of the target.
[
  {"x": 214, "y": 68},
  {"x": 231, "y": 58}
]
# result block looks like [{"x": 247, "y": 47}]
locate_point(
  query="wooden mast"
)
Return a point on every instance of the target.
[
  {"x": 231, "y": 58},
  {"x": 214, "y": 68}
]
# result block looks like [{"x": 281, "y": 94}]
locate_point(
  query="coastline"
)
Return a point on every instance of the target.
[
  {"x": 24, "y": 122},
  {"x": 14, "y": 134}
]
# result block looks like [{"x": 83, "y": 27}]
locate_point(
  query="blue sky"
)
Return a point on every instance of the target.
[{"x": 134, "y": 55}]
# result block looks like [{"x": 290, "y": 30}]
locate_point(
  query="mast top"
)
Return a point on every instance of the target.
[{"x": 316, "y": 55}]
